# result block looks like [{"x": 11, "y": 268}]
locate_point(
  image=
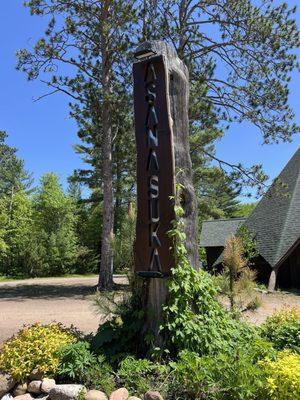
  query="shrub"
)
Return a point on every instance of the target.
[
  {"x": 34, "y": 347},
  {"x": 193, "y": 318},
  {"x": 79, "y": 364},
  {"x": 100, "y": 376},
  {"x": 239, "y": 277},
  {"x": 139, "y": 376},
  {"x": 75, "y": 359},
  {"x": 224, "y": 377},
  {"x": 283, "y": 381},
  {"x": 121, "y": 333},
  {"x": 283, "y": 329}
]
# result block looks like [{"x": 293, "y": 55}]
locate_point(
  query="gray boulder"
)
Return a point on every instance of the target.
[
  {"x": 47, "y": 385},
  {"x": 7, "y": 382},
  {"x": 152, "y": 395},
  {"x": 66, "y": 392},
  {"x": 20, "y": 389},
  {"x": 34, "y": 387},
  {"x": 36, "y": 375}
]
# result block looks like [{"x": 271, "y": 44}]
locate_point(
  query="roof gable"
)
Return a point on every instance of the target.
[
  {"x": 275, "y": 221},
  {"x": 214, "y": 232}
]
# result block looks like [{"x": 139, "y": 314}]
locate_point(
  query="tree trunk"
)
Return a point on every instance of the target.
[
  {"x": 11, "y": 205},
  {"x": 106, "y": 264},
  {"x": 118, "y": 193}
]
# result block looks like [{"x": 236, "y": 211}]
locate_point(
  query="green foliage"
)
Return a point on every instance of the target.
[
  {"x": 100, "y": 376},
  {"x": 123, "y": 243},
  {"x": 283, "y": 329},
  {"x": 194, "y": 319},
  {"x": 78, "y": 364},
  {"x": 283, "y": 376},
  {"x": 55, "y": 224},
  {"x": 237, "y": 277},
  {"x": 18, "y": 235},
  {"x": 249, "y": 244},
  {"x": 245, "y": 209},
  {"x": 217, "y": 194},
  {"x": 74, "y": 360},
  {"x": 13, "y": 176},
  {"x": 139, "y": 376},
  {"x": 119, "y": 335},
  {"x": 34, "y": 347},
  {"x": 225, "y": 376}
]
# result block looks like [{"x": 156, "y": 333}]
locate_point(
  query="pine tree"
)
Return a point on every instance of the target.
[
  {"x": 55, "y": 222},
  {"x": 100, "y": 32}
]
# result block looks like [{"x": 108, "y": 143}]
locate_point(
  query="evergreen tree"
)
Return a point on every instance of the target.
[
  {"x": 100, "y": 33},
  {"x": 240, "y": 55},
  {"x": 55, "y": 222},
  {"x": 17, "y": 225},
  {"x": 218, "y": 197}
]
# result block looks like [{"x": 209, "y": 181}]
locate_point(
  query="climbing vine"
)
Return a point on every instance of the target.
[{"x": 194, "y": 319}]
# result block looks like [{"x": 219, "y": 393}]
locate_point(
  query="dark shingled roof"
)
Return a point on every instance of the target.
[
  {"x": 275, "y": 221},
  {"x": 276, "y": 218},
  {"x": 214, "y": 232}
]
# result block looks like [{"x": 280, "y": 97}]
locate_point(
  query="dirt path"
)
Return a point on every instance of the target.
[
  {"x": 271, "y": 302},
  {"x": 69, "y": 301},
  {"x": 65, "y": 300}
]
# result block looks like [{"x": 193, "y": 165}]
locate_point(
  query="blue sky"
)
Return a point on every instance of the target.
[{"x": 44, "y": 134}]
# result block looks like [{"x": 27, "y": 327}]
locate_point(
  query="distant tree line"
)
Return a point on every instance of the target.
[
  {"x": 46, "y": 231},
  {"x": 240, "y": 56}
]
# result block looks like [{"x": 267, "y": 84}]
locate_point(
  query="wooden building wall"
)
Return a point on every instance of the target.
[{"x": 289, "y": 271}]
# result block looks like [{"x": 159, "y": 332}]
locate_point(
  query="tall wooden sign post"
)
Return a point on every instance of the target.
[{"x": 162, "y": 138}]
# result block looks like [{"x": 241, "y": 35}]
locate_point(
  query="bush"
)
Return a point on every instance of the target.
[
  {"x": 139, "y": 376},
  {"x": 283, "y": 329},
  {"x": 34, "y": 347},
  {"x": 223, "y": 377},
  {"x": 193, "y": 318},
  {"x": 75, "y": 359},
  {"x": 100, "y": 376},
  {"x": 121, "y": 333},
  {"x": 283, "y": 381},
  {"x": 79, "y": 364}
]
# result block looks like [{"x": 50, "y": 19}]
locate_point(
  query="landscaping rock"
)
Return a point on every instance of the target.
[
  {"x": 95, "y": 395},
  {"x": 66, "y": 392},
  {"x": 47, "y": 385},
  {"x": 26, "y": 396},
  {"x": 43, "y": 396},
  {"x": 20, "y": 389},
  {"x": 7, "y": 382},
  {"x": 36, "y": 375},
  {"x": 133, "y": 398},
  {"x": 150, "y": 395},
  {"x": 7, "y": 396},
  {"x": 34, "y": 387},
  {"x": 120, "y": 394}
]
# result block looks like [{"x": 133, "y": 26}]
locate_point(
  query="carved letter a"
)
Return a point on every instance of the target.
[
  {"x": 155, "y": 264},
  {"x": 152, "y": 165}
]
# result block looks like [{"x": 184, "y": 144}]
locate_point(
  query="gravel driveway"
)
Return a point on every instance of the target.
[
  {"x": 65, "y": 300},
  {"x": 68, "y": 300}
]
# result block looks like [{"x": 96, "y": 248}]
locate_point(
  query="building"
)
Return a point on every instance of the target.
[{"x": 275, "y": 223}]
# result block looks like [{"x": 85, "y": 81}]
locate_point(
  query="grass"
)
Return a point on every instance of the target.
[{"x": 13, "y": 278}]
